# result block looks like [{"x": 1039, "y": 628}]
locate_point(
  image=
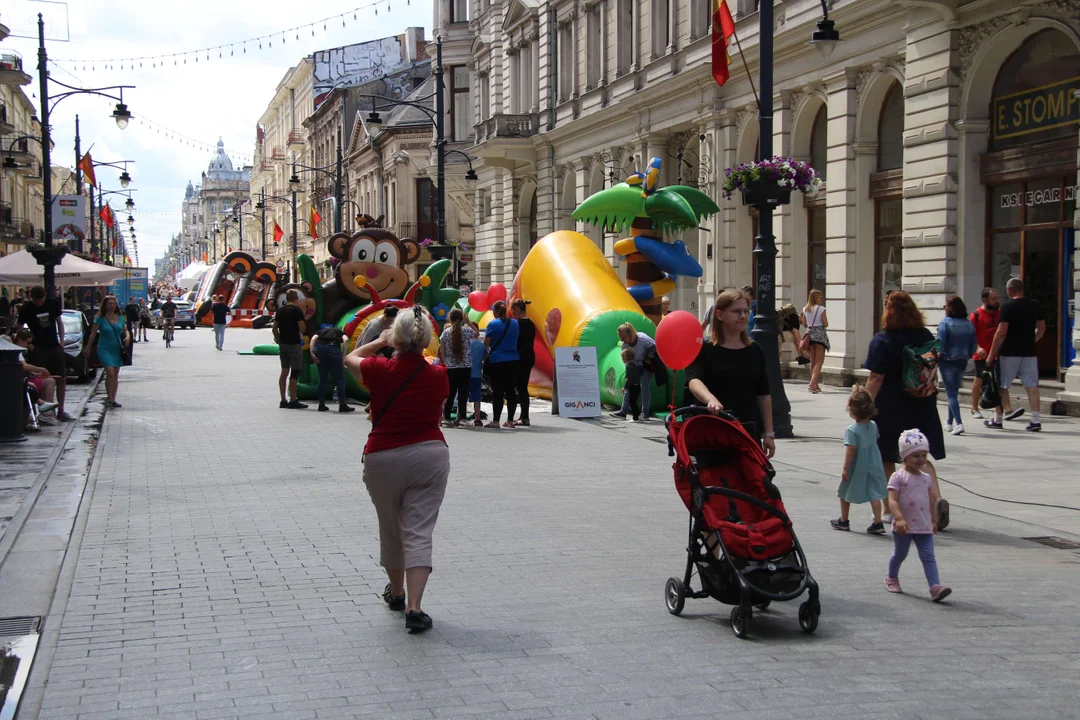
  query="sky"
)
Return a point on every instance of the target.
[{"x": 201, "y": 100}]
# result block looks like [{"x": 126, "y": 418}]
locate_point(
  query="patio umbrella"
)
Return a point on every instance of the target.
[{"x": 21, "y": 268}]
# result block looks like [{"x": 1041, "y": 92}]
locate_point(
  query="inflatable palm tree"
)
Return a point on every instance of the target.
[{"x": 650, "y": 212}]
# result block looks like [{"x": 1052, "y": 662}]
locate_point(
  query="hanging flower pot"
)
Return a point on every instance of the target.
[
  {"x": 768, "y": 183},
  {"x": 48, "y": 255},
  {"x": 440, "y": 252}
]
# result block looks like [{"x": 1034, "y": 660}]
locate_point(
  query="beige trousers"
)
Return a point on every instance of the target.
[{"x": 407, "y": 486}]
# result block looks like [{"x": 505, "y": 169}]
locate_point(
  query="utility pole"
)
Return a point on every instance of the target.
[
  {"x": 46, "y": 159},
  {"x": 262, "y": 202},
  {"x": 295, "y": 276},
  {"x": 338, "y": 191},
  {"x": 440, "y": 142}
]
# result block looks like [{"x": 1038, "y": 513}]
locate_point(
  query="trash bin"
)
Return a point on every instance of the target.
[{"x": 12, "y": 393}]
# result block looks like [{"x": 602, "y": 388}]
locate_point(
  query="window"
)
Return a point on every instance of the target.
[
  {"x": 526, "y": 93},
  {"x": 661, "y": 31},
  {"x": 566, "y": 60},
  {"x": 815, "y": 220},
  {"x": 819, "y": 144},
  {"x": 461, "y": 122},
  {"x": 485, "y": 99},
  {"x": 459, "y": 11},
  {"x": 514, "y": 98},
  {"x": 483, "y": 205},
  {"x": 594, "y": 32},
  {"x": 426, "y": 214},
  {"x": 700, "y": 18},
  {"x": 624, "y": 37},
  {"x": 891, "y": 130},
  {"x": 888, "y": 236}
]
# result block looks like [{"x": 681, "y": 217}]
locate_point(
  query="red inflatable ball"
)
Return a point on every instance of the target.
[
  {"x": 496, "y": 292},
  {"x": 678, "y": 339},
  {"x": 478, "y": 301}
]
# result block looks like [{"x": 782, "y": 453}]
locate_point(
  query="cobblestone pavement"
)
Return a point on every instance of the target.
[{"x": 227, "y": 571}]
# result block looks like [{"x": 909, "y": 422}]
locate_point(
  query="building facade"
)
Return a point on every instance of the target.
[
  {"x": 22, "y": 210},
  {"x": 946, "y": 134}
]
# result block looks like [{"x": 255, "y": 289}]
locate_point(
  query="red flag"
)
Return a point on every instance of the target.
[
  {"x": 278, "y": 233},
  {"x": 106, "y": 215},
  {"x": 87, "y": 167},
  {"x": 723, "y": 27},
  {"x": 313, "y": 226}
]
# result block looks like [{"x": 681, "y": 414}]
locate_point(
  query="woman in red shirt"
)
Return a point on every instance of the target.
[{"x": 406, "y": 460}]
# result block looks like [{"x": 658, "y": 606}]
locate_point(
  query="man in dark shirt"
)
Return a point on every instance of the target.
[
  {"x": 1020, "y": 328},
  {"x": 289, "y": 327},
  {"x": 41, "y": 317},
  {"x": 131, "y": 312},
  {"x": 221, "y": 319}
]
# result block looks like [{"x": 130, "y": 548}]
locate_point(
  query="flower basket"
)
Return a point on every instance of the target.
[
  {"x": 441, "y": 252},
  {"x": 768, "y": 183},
  {"x": 48, "y": 255}
]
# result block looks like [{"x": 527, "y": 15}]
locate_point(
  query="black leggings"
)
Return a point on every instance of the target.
[
  {"x": 459, "y": 390},
  {"x": 522, "y": 386},
  {"x": 504, "y": 384}
]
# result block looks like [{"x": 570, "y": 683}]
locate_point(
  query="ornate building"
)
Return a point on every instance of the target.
[
  {"x": 207, "y": 226},
  {"x": 946, "y": 133}
]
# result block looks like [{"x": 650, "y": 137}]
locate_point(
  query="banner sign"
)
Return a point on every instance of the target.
[
  {"x": 1037, "y": 110},
  {"x": 69, "y": 220},
  {"x": 577, "y": 381}
]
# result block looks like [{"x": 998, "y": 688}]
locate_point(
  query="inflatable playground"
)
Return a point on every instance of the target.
[{"x": 575, "y": 298}]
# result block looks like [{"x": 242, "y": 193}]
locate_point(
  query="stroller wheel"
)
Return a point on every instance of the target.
[
  {"x": 808, "y": 617},
  {"x": 674, "y": 597},
  {"x": 764, "y": 604},
  {"x": 741, "y": 617}
]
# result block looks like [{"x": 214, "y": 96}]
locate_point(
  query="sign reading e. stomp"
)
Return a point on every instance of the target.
[
  {"x": 577, "y": 381},
  {"x": 1036, "y": 110}
]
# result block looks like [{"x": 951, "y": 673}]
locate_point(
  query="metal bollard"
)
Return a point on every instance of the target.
[{"x": 12, "y": 393}]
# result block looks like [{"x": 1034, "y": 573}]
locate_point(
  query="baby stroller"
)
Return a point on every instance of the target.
[{"x": 741, "y": 540}]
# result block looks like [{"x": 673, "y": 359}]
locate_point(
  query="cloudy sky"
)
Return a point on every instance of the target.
[{"x": 201, "y": 100}]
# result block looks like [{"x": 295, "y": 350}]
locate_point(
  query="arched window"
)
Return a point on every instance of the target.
[
  {"x": 891, "y": 130},
  {"x": 819, "y": 143}
]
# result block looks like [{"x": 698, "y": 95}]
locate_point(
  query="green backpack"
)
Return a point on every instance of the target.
[{"x": 920, "y": 369}]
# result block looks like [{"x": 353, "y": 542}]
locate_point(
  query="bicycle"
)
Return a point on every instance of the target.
[{"x": 168, "y": 334}]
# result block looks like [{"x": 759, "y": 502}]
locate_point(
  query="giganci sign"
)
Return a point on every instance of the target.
[{"x": 1037, "y": 110}]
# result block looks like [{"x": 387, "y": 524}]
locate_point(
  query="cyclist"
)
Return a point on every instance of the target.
[{"x": 168, "y": 317}]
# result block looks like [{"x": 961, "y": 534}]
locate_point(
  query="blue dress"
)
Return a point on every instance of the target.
[
  {"x": 109, "y": 338},
  {"x": 866, "y": 476}
]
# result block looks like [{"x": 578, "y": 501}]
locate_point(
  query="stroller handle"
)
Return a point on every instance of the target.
[{"x": 700, "y": 410}]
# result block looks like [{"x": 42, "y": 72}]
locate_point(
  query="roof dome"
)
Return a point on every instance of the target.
[
  {"x": 190, "y": 191},
  {"x": 220, "y": 163}
]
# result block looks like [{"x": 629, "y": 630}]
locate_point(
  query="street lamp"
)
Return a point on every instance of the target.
[
  {"x": 130, "y": 204},
  {"x": 121, "y": 114},
  {"x": 125, "y": 179},
  {"x": 764, "y": 332}
]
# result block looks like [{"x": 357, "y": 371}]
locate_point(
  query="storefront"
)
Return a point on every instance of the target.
[{"x": 1029, "y": 174}]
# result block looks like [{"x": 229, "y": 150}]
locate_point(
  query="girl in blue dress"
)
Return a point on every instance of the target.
[
  {"x": 863, "y": 479},
  {"x": 112, "y": 337}
]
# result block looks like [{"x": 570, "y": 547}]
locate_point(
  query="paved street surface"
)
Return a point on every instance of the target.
[{"x": 227, "y": 569}]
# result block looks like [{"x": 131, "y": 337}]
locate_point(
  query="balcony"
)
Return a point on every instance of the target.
[
  {"x": 278, "y": 153},
  {"x": 264, "y": 164},
  {"x": 507, "y": 126},
  {"x": 418, "y": 231},
  {"x": 7, "y": 126},
  {"x": 11, "y": 69},
  {"x": 15, "y": 229},
  {"x": 296, "y": 137}
]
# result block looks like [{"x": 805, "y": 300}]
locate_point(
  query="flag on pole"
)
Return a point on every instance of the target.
[
  {"x": 723, "y": 27},
  {"x": 106, "y": 215},
  {"x": 313, "y": 225},
  {"x": 278, "y": 233},
  {"x": 87, "y": 167}
]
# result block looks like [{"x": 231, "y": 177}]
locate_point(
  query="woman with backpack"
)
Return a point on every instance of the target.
[{"x": 903, "y": 389}]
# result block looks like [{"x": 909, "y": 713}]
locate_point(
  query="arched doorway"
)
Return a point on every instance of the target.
[
  {"x": 886, "y": 192},
  {"x": 1029, "y": 175},
  {"x": 815, "y": 206}
]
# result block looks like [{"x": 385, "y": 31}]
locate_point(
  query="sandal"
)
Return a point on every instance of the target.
[
  {"x": 478, "y": 423},
  {"x": 492, "y": 425},
  {"x": 394, "y": 602},
  {"x": 523, "y": 423},
  {"x": 417, "y": 621},
  {"x": 508, "y": 424}
]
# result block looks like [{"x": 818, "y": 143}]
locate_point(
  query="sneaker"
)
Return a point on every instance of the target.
[
  {"x": 633, "y": 419},
  {"x": 876, "y": 529},
  {"x": 64, "y": 417},
  {"x": 958, "y": 429},
  {"x": 1033, "y": 427},
  {"x": 942, "y": 511},
  {"x": 991, "y": 423},
  {"x": 47, "y": 407},
  {"x": 417, "y": 621},
  {"x": 394, "y": 602},
  {"x": 283, "y": 404},
  {"x": 839, "y": 524},
  {"x": 948, "y": 427},
  {"x": 322, "y": 408},
  {"x": 620, "y": 415},
  {"x": 893, "y": 585},
  {"x": 345, "y": 408},
  {"x": 115, "y": 404},
  {"x": 887, "y": 517},
  {"x": 940, "y": 592},
  {"x": 1014, "y": 414},
  {"x": 976, "y": 414},
  {"x": 296, "y": 405}
]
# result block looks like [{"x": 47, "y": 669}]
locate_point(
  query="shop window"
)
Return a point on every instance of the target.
[
  {"x": 815, "y": 220},
  {"x": 891, "y": 130},
  {"x": 1006, "y": 206},
  {"x": 889, "y": 251},
  {"x": 1032, "y": 98},
  {"x": 819, "y": 143}
]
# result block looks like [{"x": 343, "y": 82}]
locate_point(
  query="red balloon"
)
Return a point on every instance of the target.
[
  {"x": 496, "y": 292},
  {"x": 679, "y": 339},
  {"x": 478, "y": 301}
]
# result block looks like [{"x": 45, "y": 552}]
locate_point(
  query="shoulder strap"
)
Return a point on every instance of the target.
[
  {"x": 397, "y": 392},
  {"x": 501, "y": 337}
]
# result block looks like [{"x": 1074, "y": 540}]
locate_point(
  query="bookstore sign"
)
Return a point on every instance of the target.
[{"x": 1028, "y": 112}]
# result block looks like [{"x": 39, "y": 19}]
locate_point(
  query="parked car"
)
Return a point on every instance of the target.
[
  {"x": 185, "y": 315},
  {"x": 76, "y": 332}
]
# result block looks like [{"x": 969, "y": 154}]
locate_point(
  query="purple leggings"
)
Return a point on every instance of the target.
[{"x": 924, "y": 543}]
